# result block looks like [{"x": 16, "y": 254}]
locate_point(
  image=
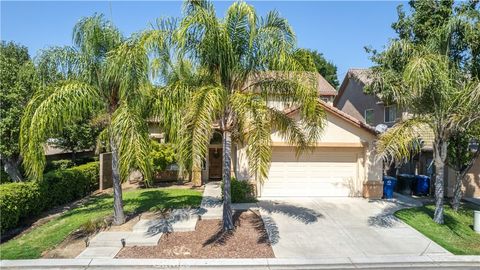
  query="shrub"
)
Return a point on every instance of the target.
[
  {"x": 20, "y": 200},
  {"x": 161, "y": 155},
  {"x": 4, "y": 177},
  {"x": 242, "y": 191},
  {"x": 69, "y": 184},
  {"x": 58, "y": 164}
]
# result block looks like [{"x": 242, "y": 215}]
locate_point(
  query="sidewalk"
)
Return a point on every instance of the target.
[{"x": 383, "y": 262}]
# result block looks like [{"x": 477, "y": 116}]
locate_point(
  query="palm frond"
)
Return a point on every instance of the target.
[
  {"x": 130, "y": 132},
  {"x": 402, "y": 141},
  {"x": 66, "y": 104},
  {"x": 202, "y": 112},
  {"x": 128, "y": 66}
]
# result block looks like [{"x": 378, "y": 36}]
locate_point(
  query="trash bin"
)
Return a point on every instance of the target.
[
  {"x": 422, "y": 185},
  {"x": 389, "y": 184},
  {"x": 405, "y": 183}
]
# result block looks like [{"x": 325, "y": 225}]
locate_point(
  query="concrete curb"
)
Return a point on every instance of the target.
[{"x": 380, "y": 262}]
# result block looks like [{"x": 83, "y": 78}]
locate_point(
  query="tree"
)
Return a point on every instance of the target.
[
  {"x": 17, "y": 82},
  {"x": 78, "y": 136},
  {"x": 250, "y": 62},
  {"x": 431, "y": 76},
  {"x": 314, "y": 61},
  {"x": 102, "y": 74},
  {"x": 461, "y": 158}
]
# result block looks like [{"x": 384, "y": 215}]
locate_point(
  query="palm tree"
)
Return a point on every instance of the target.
[
  {"x": 440, "y": 98},
  {"x": 250, "y": 63},
  {"x": 105, "y": 74}
]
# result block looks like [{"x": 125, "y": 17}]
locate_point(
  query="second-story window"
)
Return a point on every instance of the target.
[
  {"x": 390, "y": 113},
  {"x": 368, "y": 115}
]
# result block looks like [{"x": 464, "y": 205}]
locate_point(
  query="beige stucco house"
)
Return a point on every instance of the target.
[{"x": 339, "y": 164}]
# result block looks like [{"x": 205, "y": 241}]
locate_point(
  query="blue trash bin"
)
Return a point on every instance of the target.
[
  {"x": 389, "y": 184},
  {"x": 422, "y": 185}
]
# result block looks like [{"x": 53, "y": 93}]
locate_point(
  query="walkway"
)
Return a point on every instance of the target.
[
  {"x": 212, "y": 205},
  {"x": 147, "y": 232}
]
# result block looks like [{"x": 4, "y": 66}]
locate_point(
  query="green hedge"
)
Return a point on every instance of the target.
[
  {"x": 21, "y": 200},
  {"x": 241, "y": 191}
]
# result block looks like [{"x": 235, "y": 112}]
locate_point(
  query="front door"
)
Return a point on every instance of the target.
[{"x": 215, "y": 163}]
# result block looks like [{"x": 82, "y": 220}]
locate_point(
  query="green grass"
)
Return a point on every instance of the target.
[
  {"x": 45, "y": 237},
  {"x": 456, "y": 235}
]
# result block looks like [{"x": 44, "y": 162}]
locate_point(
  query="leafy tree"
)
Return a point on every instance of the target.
[
  {"x": 250, "y": 61},
  {"x": 76, "y": 137},
  {"x": 428, "y": 71},
  {"x": 461, "y": 158},
  {"x": 17, "y": 82},
  {"x": 102, "y": 74},
  {"x": 314, "y": 61}
]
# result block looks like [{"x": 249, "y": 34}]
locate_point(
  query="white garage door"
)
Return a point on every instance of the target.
[{"x": 325, "y": 172}]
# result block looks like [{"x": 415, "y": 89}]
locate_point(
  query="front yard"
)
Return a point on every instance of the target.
[
  {"x": 456, "y": 235},
  {"x": 34, "y": 243}
]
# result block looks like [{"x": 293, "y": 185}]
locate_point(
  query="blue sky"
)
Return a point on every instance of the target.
[{"x": 338, "y": 29}]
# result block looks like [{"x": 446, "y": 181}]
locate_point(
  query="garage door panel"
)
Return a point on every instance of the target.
[{"x": 319, "y": 173}]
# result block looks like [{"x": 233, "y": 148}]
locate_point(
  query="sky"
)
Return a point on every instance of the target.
[{"x": 338, "y": 29}]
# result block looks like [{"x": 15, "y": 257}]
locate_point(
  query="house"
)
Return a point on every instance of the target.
[
  {"x": 369, "y": 109},
  {"x": 341, "y": 162}
]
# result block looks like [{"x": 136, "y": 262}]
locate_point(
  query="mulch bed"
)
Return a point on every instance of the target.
[{"x": 248, "y": 240}]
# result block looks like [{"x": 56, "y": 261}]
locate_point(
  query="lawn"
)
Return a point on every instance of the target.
[
  {"x": 456, "y": 235},
  {"x": 32, "y": 244}
]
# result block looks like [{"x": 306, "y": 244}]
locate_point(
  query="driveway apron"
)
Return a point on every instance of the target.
[{"x": 340, "y": 227}]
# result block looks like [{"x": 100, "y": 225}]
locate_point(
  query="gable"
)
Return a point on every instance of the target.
[{"x": 339, "y": 131}]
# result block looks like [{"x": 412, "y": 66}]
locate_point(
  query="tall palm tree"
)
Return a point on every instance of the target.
[
  {"x": 250, "y": 63},
  {"x": 440, "y": 97},
  {"x": 105, "y": 74}
]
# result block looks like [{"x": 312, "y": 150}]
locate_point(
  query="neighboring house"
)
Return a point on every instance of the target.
[
  {"x": 339, "y": 164},
  {"x": 369, "y": 109},
  {"x": 55, "y": 153}
]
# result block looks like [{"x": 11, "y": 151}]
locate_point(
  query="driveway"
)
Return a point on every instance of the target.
[{"x": 340, "y": 227}]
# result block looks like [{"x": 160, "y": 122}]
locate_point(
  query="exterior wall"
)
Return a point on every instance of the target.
[
  {"x": 338, "y": 134},
  {"x": 354, "y": 102},
  {"x": 471, "y": 183}
]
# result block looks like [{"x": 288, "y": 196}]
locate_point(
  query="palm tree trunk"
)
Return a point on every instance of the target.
[
  {"x": 10, "y": 166},
  {"x": 457, "y": 191},
  {"x": 227, "y": 201},
  {"x": 118, "y": 215},
  {"x": 440, "y": 155}
]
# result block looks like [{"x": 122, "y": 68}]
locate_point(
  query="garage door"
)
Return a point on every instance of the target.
[{"x": 325, "y": 172}]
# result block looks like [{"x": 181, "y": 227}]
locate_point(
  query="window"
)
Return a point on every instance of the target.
[
  {"x": 390, "y": 113},
  {"x": 368, "y": 116}
]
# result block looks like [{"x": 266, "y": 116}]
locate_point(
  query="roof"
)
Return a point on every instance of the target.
[
  {"x": 361, "y": 75},
  {"x": 324, "y": 87},
  {"x": 333, "y": 110}
]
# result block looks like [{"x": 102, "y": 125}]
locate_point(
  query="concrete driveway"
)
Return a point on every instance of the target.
[{"x": 340, "y": 227}]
